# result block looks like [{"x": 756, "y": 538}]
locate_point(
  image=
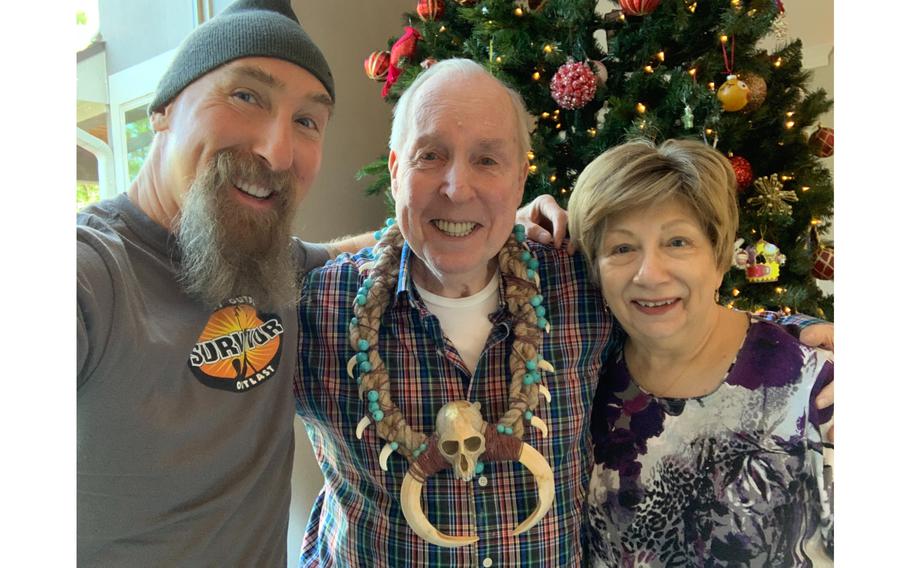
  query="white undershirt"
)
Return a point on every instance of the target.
[{"x": 465, "y": 321}]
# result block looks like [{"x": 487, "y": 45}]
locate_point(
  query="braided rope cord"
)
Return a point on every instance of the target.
[{"x": 522, "y": 286}]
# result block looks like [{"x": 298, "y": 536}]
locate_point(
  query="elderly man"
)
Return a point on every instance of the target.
[
  {"x": 186, "y": 287},
  {"x": 455, "y": 363},
  {"x": 450, "y": 311}
]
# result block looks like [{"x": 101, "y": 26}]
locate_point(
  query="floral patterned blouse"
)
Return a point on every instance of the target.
[{"x": 732, "y": 478}]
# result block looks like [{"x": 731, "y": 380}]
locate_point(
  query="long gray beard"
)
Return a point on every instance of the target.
[{"x": 228, "y": 250}]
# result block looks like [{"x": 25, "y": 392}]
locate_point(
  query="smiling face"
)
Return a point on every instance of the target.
[
  {"x": 658, "y": 272},
  {"x": 457, "y": 180},
  {"x": 236, "y": 152},
  {"x": 270, "y": 110}
]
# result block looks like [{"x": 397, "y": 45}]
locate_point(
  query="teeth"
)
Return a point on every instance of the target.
[
  {"x": 453, "y": 228},
  {"x": 654, "y": 304},
  {"x": 254, "y": 190}
]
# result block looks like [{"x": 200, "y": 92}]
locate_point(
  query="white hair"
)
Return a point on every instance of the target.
[{"x": 465, "y": 67}]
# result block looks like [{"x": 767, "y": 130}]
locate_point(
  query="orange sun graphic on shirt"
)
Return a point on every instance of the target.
[{"x": 238, "y": 348}]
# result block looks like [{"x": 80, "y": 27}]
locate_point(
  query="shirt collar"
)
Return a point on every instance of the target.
[{"x": 405, "y": 290}]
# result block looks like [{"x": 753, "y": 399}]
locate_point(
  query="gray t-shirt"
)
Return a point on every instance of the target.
[{"x": 185, "y": 415}]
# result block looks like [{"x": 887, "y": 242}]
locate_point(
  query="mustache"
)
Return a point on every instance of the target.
[{"x": 230, "y": 166}]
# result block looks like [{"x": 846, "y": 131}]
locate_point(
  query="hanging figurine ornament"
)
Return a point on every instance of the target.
[
  {"x": 462, "y": 437},
  {"x": 772, "y": 198},
  {"x": 743, "y": 170},
  {"x": 430, "y": 10},
  {"x": 734, "y": 93},
  {"x": 638, "y": 7},
  {"x": 600, "y": 71},
  {"x": 377, "y": 65},
  {"x": 758, "y": 91},
  {"x": 404, "y": 48},
  {"x": 573, "y": 85},
  {"x": 688, "y": 118},
  {"x": 761, "y": 261},
  {"x": 821, "y": 142}
]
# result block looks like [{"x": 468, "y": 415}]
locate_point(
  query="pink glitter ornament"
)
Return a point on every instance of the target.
[{"x": 573, "y": 86}]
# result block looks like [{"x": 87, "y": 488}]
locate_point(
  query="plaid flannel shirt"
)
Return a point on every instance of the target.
[{"x": 357, "y": 518}]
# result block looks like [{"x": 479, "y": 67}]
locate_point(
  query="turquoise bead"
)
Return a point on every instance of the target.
[
  {"x": 528, "y": 379},
  {"x": 478, "y": 469},
  {"x": 525, "y": 256},
  {"x": 390, "y": 221},
  {"x": 355, "y": 321},
  {"x": 363, "y": 344},
  {"x": 531, "y": 364},
  {"x": 540, "y": 311},
  {"x": 366, "y": 367},
  {"x": 423, "y": 447},
  {"x": 542, "y": 323},
  {"x": 520, "y": 237},
  {"x": 531, "y": 273},
  {"x": 378, "y": 415},
  {"x": 518, "y": 229},
  {"x": 361, "y": 357},
  {"x": 368, "y": 283},
  {"x": 509, "y": 431},
  {"x": 536, "y": 300},
  {"x": 361, "y": 300},
  {"x": 373, "y": 406},
  {"x": 372, "y": 396},
  {"x": 377, "y": 235},
  {"x": 533, "y": 263},
  {"x": 528, "y": 415},
  {"x": 394, "y": 445}
]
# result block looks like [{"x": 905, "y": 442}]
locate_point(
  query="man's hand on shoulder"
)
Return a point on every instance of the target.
[{"x": 546, "y": 222}]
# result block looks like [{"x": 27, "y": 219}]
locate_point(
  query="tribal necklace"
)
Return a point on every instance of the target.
[{"x": 461, "y": 437}]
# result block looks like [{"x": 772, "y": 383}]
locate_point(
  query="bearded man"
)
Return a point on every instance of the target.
[{"x": 186, "y": 288}]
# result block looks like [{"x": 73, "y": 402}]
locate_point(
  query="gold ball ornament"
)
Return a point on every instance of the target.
[
  {"x": 758, "y": 91},
  {"x": 733, "y": 94}
]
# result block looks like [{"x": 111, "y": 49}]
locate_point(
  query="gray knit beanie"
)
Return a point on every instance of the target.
[{"x": 246, "y": 28}]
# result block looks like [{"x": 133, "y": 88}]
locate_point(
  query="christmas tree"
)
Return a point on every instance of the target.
[{"x": 658, "y": 69}]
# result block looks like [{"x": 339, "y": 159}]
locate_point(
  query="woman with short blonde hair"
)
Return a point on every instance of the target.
[{"x": 707, "y": 442}]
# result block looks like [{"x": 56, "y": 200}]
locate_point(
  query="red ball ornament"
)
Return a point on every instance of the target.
[
  {"x": 743, "y": 170},
  {"x": 573, "y": 86},
  {"x": 377, "y": 65},
  {"x": 823, "y": 267},
  {"x": 821, "y": 143},
  {"x": 638, "y": 7},
  {"x": 430, "y": 10}
]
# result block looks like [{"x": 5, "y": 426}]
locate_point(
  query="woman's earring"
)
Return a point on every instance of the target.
[{"x": 717, "y": 296}]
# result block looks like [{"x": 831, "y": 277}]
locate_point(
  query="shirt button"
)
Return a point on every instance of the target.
[
  {"x": 487, "y": 562},
  {"x": 482, "y": 481}
]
